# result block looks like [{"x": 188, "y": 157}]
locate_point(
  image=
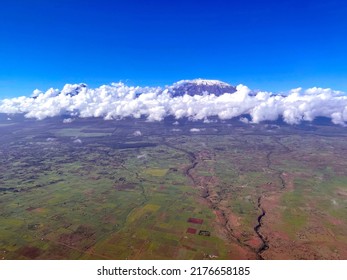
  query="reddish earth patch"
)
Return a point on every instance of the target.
[
  {"x": 237, "y": 252},
  {"x": 188, "y": 247},
  {"x": 30, "y": 252},
  {"x": 166, "y": 252},
  {"x": 110, "y": 219},
  {"x": 220, "y": 218},
  {"x": 81, "y": 234},
  {"x": 39, "y": 210},
  {"x": 342, "y": 193},
  {"x": 30, "y": 209},
  {"x": 289, "y": 181},
  {"x": 254, "y": 242},
  {"x": 205, "y": 193},
  {"x": 191, "y": 230},
  {"x": 234, "y": 220},
  {"x": 335, "y": 221},
  {"x": 195, "y": 221}
]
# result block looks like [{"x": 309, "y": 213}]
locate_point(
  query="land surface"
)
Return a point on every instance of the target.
[{"x": 132, "y": 189}]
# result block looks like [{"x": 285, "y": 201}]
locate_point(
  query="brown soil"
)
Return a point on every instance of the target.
[
  {"x": 313, "y": 241},
  {"x": 191, "y": 230},
  {"x": 39, "y": 210},
  {"x": 75, "y": 238},
  {"x": 195, "y": 221},
  {"x": 30, "y": 252}
]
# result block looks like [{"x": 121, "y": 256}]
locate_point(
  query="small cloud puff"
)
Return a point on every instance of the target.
[
  {"x": 68, "y": 120},
  {"x": 77, "y": 141},
  {"x": 196, "y": 129},
  {"x": 244, "y": 120},
  {"x": 117, "y": 101},
  {"x": 137, "y": 133}
]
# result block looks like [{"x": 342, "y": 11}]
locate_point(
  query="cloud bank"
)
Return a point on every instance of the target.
[{"x": 117, "y": 101}]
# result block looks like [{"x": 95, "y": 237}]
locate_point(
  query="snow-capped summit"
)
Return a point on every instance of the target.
[
  {"x": 202, "y": 82},
  {"x": 200, "y": 87}
]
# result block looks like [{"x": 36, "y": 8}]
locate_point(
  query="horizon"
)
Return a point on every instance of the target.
[
  {"x": 129, "y": 83},
  {"x": 197, "y": 100}
]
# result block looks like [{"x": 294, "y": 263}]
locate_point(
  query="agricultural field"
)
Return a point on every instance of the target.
[{"x": 133, "y": 189}]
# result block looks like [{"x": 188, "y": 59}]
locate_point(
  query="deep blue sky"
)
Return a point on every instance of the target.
[{"x": 271, "y": 45}]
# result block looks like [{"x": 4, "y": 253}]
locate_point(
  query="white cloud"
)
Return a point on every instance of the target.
[
  {"x": 196, "y": 129},
  {"x": 244, "y": 120},
  {"x": 68, "y": 120},
  {"x": 118, "y": 100},
  {"x": 77, "y": 141},
  {"x": 137, "y": 133}
]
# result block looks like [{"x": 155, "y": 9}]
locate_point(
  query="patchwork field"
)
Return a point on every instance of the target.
[{"x": 95, "y": 189}]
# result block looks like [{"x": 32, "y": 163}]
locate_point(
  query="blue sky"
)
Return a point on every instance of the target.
[{"x": 269, "y": 45}]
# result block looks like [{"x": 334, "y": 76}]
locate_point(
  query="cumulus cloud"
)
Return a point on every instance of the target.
[
  {"x": 244, "y": 120},
  {"x": 77, "y": 141},
  {"x": 196, "y": 129},
  {"x": 117, "y": 101},
  {"x": 68, "y": 120},
  {"x": 137, "y": 133}
]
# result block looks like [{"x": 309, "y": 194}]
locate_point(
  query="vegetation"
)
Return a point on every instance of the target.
[{"x": 114, "y": 194}]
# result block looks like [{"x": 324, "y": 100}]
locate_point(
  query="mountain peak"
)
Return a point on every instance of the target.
[
  {"x": 200, "y": 87},
  {"x": 202, "y": 82}
]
